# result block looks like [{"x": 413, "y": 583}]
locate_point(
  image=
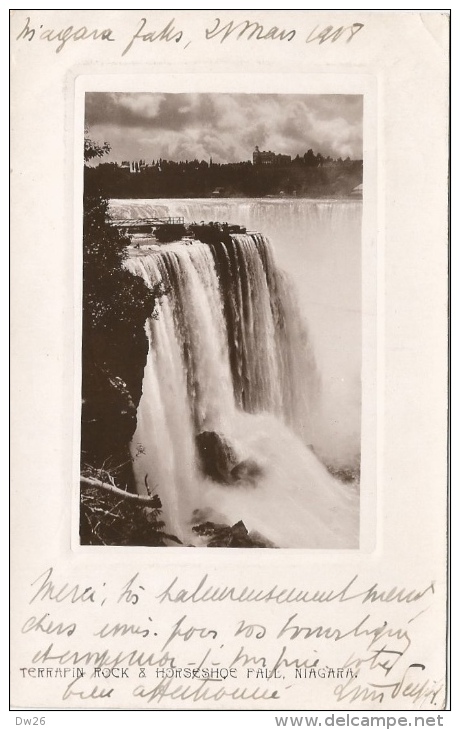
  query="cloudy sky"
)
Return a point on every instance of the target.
[{"x": 225, "y": 127}]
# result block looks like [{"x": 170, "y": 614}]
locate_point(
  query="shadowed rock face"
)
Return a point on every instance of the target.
[
  {"x": 220, "y": 461},
  {"x": 112, "y": 373},
  {"x": 218, "y": 457},
  {"x": 232, "y": 536}
]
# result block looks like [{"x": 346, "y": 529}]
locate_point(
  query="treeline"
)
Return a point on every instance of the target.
[{"x": 307, "y": 176}]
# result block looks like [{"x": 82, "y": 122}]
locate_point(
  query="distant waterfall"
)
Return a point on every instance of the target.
[{"x": 230, "y": 353}]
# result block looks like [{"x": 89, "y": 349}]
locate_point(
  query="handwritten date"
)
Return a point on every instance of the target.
[{"x": 220, "y": 30}]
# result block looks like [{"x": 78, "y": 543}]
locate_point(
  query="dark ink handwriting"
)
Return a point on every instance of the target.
[
  {"x": 64, "y": 35},
  {"x": 168, "y": 33},
  {"x": 332, "y": 35},
  {"x": 76, "y": 689},
  {"x": 407, "y": 685},
  {"x": 49, "y": 590},
  {"x": 118, "y": 629},
  {"x": 47, "y": 626},
  {"x": 249, "y": 30},
  {"x": 179, "y": 631},
  {"x": 295, "y": 631},
  {"x": 248, "y": 630},
  {"x": 128, "y": 595},
  {"x": 220, "y": 30},
  {"x": 102, "y": 658},
  {"x": 205, "y": 593},
  {"x": 205, "y": 691}
]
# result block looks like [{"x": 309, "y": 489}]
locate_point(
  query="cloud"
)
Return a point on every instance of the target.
[{"x": 224, "y": 126}]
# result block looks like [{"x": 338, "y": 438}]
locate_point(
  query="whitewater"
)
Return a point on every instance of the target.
[{"x": 230, "y": 352}]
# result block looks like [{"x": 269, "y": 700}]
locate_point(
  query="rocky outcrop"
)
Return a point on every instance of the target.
[
  {"x": 112, "y": 374},
  {"x": 218, "y": 457},
  {"x": 116, "y": 305},
  {"x": 232, "y": 536},
  {"x": 221, "y": 462}
]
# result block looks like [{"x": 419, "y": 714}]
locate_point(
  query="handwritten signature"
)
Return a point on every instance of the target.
[{"x": 383, "y": 666}]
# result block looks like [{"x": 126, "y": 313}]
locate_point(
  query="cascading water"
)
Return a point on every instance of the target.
[
  {"x": 318, "y": 242},
  {"x": 230, "y": 354}
]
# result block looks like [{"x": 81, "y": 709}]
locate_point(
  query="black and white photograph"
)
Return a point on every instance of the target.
[
  {"x": 222, "y": 320},
  {"x": 230, "y": 299}
]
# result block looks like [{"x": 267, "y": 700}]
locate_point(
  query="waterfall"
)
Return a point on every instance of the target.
[
  {"x": 231, "y": 354},
  {"x": 318, "y": 242},
  {"x": 187, "y": 382}
]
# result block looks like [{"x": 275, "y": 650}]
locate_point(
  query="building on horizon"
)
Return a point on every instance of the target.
[{"x": 269, "y": 158}]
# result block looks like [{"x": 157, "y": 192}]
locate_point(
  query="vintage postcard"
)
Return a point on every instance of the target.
[{"x": 229, "y": 246}]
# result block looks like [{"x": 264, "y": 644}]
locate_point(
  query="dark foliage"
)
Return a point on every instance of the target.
[
  {"x": 107, "y": 519},
  {"x": 167, "y": 179},
  {"x": 93, "y": 150},
  {"x": 116, "y": 305},
  {"x": 112, "y": 296}
]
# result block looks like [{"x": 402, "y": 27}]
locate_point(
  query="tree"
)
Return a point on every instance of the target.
[
  {"x": 92, "y": 149},
  {"x": 310, "y": 158},
  {"x": 111, "y": 295},
  {"x": 116, "y": 305}
]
